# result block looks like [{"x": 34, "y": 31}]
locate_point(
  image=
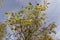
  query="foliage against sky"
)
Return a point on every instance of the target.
[
  {"x": 31, "y": 20},
  {"x": 54, "y": 12}
]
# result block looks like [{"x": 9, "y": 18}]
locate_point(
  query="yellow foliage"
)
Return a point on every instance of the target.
[
  {"x": 34, "y": 19},
  {"x": 53, "y": 25},
  {"x": 35, "y": 12},
  {"x": 38, "y": 23},
  {"x": 29, "y": 7},
  {"x": 21, "y": 11},
  {"x": 19, "y": 20},
  {"x": 42, "y": 18},
  {"x": 42, "y": 8},
  {"x": 27, "y": 22},
  {"x": 37, "y": 7},
  {"x": 47, "y": 37},
  {"x": 7, "y": 12},
  {"x": 3, "y": 30}
]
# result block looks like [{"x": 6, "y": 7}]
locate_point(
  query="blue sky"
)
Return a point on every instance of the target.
[{"x": 53, "y": 11}]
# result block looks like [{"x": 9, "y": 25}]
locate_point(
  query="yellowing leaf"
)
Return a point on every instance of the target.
[
  {"x": 37, "y": 7},
  {"x": 27, "y": 22},
  {"x": 19, "y": 20},
  {"x": 42, "y": 8},
  {"x": 21, "y": 11},
  {"x": 7, "y": 12},
  {"x": 53, "y": 25},
  {"x": 38, "y": 23},
  {"x": 12, "y": 29},
  {"x": 50, "y": 38},
  {"x": 42, "y": 18},
  {"x": 43, "y": 15},
  {"x": 29, "y": 7}
]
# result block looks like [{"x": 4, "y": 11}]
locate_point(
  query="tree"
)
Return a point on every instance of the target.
[{"x": 29, "y": 23}]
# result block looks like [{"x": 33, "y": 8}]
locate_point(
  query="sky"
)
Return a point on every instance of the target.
[{"x": 53, "y": 11}]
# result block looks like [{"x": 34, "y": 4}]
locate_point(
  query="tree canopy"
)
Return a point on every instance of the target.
[{"x": 29, "y": 23}]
